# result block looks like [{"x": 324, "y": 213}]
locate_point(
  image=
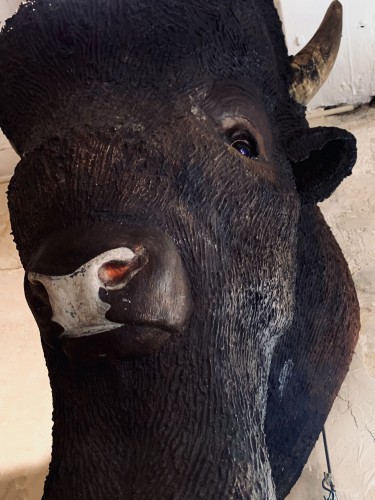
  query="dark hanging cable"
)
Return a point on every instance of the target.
[{"x": 327, "y": 483}]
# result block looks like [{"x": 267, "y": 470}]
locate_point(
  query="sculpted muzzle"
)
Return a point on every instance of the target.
[
  {"x": 124, "y": 302},
  {"x": 74, "y": 298}
]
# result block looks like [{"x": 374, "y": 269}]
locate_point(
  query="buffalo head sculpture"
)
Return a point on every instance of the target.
[{"x": 196, "y": 315}]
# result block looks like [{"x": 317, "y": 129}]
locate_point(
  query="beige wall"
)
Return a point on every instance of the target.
[
  {"x": 7, "y": 9},
  {"x": 351, "y": 425},
  {"x": 25, "y": 401}
]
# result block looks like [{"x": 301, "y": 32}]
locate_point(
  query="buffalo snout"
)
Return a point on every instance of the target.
[{"x": 108, "y": 292}]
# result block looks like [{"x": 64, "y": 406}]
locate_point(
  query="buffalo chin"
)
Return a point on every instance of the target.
[{"x": 125, "y": 342}]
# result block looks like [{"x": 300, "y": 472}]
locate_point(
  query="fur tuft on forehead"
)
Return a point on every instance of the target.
[{"x": 64, "y": 62}]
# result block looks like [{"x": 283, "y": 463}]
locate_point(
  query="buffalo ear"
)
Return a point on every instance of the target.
[{"x": 321, "y": 158}]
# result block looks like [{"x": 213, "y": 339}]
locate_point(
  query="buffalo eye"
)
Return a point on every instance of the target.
[{"x": 246, "y": 145}]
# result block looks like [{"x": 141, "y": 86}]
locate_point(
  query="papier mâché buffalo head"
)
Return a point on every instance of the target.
[{"x": 183, "y": 280}]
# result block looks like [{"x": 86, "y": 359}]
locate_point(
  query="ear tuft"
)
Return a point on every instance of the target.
[{"x": 321, "y": 158}]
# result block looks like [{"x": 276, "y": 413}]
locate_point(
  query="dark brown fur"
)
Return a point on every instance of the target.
[{"x": 118, "y": 110}]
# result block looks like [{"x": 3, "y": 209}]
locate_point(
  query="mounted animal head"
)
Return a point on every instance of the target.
[{"x": 157, "y": 207}]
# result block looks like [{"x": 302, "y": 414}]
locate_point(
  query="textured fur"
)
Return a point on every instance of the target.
[{"x": 117, "y": 110}]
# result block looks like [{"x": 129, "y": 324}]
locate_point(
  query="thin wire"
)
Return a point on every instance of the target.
[
  {"x": 326, "y": 451},
  {"x": 328, "y": 483}
]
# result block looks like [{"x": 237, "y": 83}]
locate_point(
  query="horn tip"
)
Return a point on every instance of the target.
[{"x": 336, "y": 5}]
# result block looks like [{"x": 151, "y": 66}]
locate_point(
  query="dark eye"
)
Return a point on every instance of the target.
[{"x": 246, "y": 146}]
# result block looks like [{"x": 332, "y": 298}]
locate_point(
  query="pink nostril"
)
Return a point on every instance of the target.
[
  {"x": 112, "y": 273},
  {"x": 118, "y": 272}
]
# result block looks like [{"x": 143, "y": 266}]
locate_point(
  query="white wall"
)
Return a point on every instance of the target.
[{"x": 353, "y": 77}]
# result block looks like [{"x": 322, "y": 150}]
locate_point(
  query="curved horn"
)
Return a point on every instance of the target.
[{"x": 313, "y": 64}]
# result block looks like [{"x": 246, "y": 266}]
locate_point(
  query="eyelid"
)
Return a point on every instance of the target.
[
  {"x": 239, "y": 133},
  {"x": 236, "y": 134},
  {"x": 231, "y": 126}
]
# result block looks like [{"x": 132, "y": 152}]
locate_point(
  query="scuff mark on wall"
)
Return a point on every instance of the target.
[{"x": 369, "y": 361}]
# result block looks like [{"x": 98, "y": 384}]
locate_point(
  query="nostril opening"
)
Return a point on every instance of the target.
[
  {"x": 40, "y": 292},
  {"x": 117, "y": 272},
  {"x": 112, "y": 273}
]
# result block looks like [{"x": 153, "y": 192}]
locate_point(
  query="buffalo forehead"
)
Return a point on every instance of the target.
[{"x": 65, "y": 50}]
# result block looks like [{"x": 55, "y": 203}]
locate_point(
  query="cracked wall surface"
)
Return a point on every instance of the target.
[{"x": 25, "y": 400}]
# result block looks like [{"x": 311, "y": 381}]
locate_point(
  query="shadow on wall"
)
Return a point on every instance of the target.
[{"x": 23, "y": 484}]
